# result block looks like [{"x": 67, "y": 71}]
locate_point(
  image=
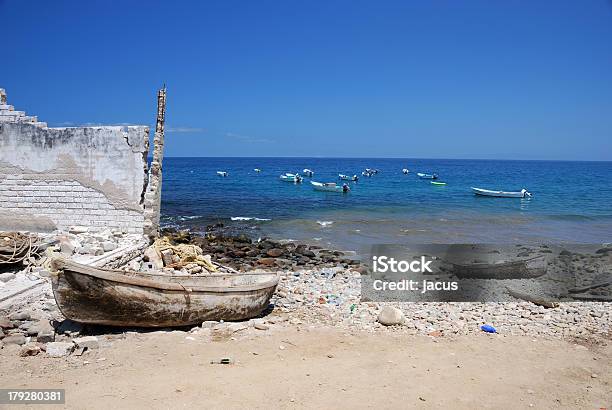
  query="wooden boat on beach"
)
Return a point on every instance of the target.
[
  {"x": 107, "y": 297},
  {"x": 517, "y": 269},
  {"x": 501, "y": 194}
]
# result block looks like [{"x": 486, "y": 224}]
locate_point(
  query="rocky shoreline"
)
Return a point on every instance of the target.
[
  {"x": 244, "y": 254},
  {"x": 318, "y": 288}
]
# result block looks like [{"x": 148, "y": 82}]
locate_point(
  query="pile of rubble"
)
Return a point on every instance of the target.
[
  {"x": 331, "y": 297},
  {"x": 31, "y": 335}
]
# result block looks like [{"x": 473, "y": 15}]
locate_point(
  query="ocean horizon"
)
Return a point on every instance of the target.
[{"x": 571, "y": 200}]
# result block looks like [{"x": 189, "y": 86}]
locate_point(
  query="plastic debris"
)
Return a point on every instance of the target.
[{"x": 488, "y": 329}]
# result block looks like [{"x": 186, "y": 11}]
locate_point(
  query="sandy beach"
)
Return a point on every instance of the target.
[{"x": 323, "y": 367}]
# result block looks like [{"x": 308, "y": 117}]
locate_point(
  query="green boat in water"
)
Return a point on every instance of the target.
[{"x": 438, "y": 183}]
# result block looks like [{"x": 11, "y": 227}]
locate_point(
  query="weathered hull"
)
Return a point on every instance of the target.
[
  {"x": 89, "y": 295},
  {"x": 524, "y": 269}
]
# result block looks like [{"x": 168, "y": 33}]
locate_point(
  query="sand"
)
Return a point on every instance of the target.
[{"x": 323, "y": 368}]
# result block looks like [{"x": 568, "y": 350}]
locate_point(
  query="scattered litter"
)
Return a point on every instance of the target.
[
  {"x": 488, "y": 329},
  {"x": 223, "y": 360}
]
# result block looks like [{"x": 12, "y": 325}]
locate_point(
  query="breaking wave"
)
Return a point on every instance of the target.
[{"x": 248, "y": 218}]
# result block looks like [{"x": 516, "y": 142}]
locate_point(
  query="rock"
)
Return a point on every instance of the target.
[
  {"x": 266, "y": 261},
  {"x": 29, "y": 328},
  {"x": 167, "y": 255},
  {"x": 68, "y": 245},
  {"x": 261, "y": 326},
  {"x": 7, "y": 276},
  {"x": 236, "y": 327},
  {"x": 20, "y": 316},
  {"x": 95, "y": 250},
  {"x": 5, "y": 323},
  {"x": 17, "y": 339},
  {"x": 390, "y": 316},
  {"x": 1, "y": 333},
  {"x": 274, "y": 252},
  {"x": 108, "y": 246},
  {"x": 152, "y": 256},
  {"x": 30, "y": 349},
  {"x": 308, "y": 253},
  {"x": 90, "y": 342},
  {"x": 78, "y": 229},
  {"x": 59, "y": 349},
  {"x": 46, "y": 333},
  {"x": 209, "y": 324},
  {"x": 243, "y": 238}
]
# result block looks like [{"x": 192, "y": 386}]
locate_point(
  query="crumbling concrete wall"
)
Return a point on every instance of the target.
[
  {"x": 153, "y": 191},
  {"x": 54, "y": 178}
]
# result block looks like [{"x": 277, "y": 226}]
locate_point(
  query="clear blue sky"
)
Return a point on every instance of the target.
[{"x": 434, "y": 79}]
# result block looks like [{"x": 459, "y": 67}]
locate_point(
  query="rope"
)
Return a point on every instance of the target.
[{"x": 16, "y": 247}]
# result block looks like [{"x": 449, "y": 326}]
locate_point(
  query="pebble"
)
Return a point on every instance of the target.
[
  {"x": 30, "y": 349},
  {"x": 5, "y": 323},
  {"x": 20, "y": 316}
]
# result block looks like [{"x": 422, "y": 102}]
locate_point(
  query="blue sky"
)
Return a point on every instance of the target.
[{"x": 432, "y": 79}]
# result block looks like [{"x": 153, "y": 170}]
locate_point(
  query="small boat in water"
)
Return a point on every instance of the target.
[
  {"x": 427, "y": 176},
  {"x": 291, "y": 178},
  {"x": 222, "y": 173},
  {"x": 405, "y": 171},
  {"x": 343, "y": 177},
  {"x": 257, "y": 170},
  {"x": 518, "y": 269},
  {"x": 109, "y": 297},
  {"x": 437, "y": 183},
  {"x": 501, "y": 194},
  {"x": 308, "y": 173},
  {"x": 330, "y": 187}
]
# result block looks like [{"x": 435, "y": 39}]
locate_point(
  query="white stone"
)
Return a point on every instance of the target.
[
  {"x": 109, "y": 246},
  {"x": 90, "y": 342},
  {"x": 78, "y": 229},
  {"x": 390, "y": 316},
  {"x": 59, "y": 349}
]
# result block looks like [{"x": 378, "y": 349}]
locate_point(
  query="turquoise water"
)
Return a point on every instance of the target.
[{"x": 572, "y": 201}]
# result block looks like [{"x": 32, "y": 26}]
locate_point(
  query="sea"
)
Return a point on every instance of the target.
[{"x": 571, "y": 202}]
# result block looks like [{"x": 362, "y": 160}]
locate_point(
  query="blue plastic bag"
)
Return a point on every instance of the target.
[{"x": 488, "y": 329}]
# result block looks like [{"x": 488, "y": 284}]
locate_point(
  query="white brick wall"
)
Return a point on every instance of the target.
[{"x": 66, "y": 203}]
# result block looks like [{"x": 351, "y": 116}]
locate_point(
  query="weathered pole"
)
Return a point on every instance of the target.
[{"x": 153, "y": 194}]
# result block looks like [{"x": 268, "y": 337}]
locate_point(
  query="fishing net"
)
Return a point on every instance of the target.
[{"x": 187, "y": 254}]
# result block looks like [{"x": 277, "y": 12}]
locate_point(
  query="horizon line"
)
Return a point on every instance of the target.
[{"x": 402, "y": 158}]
